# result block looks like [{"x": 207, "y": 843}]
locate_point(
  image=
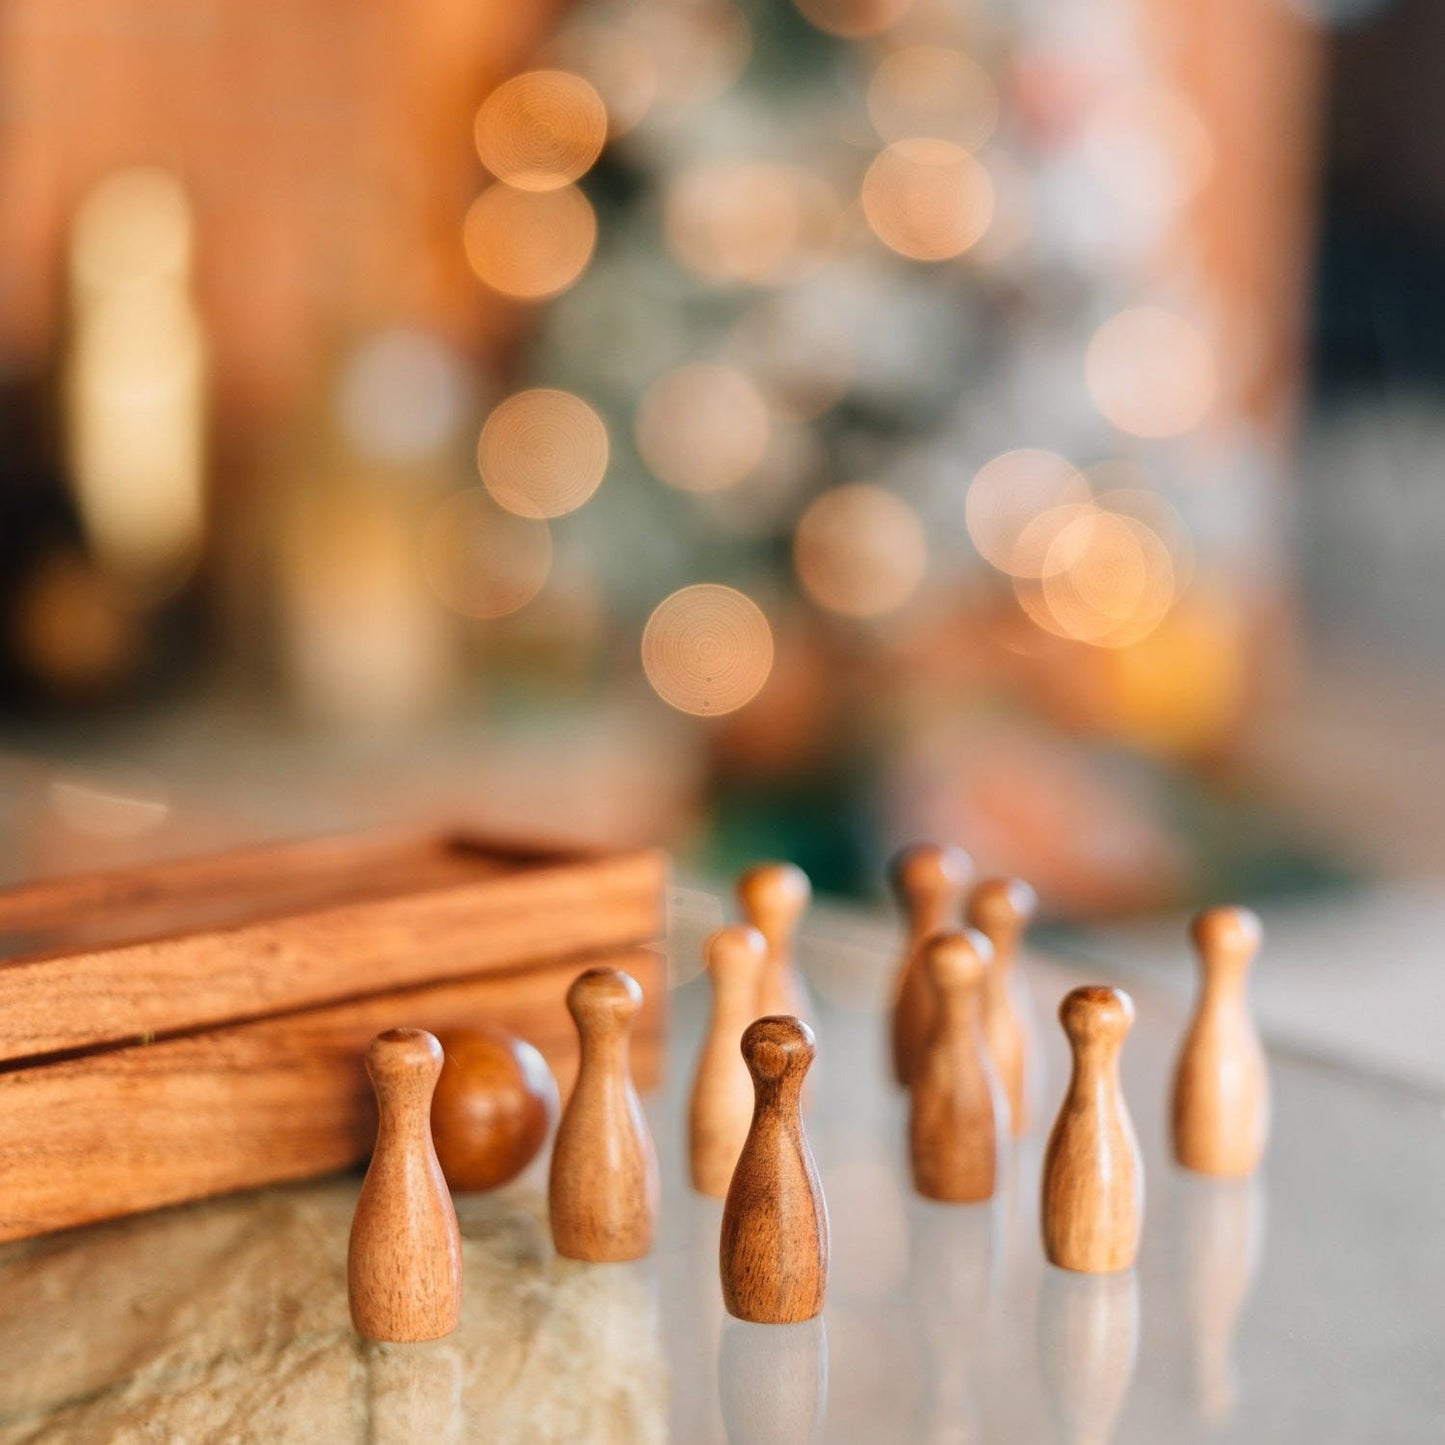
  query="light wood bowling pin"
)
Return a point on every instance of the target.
[
  {"x": 1093, "y": 1180},
  {"x": 1220, "y": 1108},
  {"x": 958, "y": 1118},
  {"x": 1001, "y": 909},
  {"x": 404, "y": 1260},
  {"x": 722, "y": 1090},
  {"x": 603, "y": 1187},
  {"x": 774, "y": 897},
  {"x": 773, "y": 1253},
  {"x": 928, "y": 881}
]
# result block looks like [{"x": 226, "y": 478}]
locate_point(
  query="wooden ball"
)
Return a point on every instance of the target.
[{"x": 494, "y": 1105}]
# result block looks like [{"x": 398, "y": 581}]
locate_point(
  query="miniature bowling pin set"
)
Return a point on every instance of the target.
[{"x": 960, "y": 1047}]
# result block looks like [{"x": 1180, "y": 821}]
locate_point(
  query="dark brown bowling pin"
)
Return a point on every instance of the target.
[
  {"x": 1220, "y": 1103},
  {"x": 1093, "y": 1181},
  {"x": 928, "y": 881},
  {"x": 774, "y": 897},
  {"x": 774, "y": 1248},
  {"x": 1001, "y": 909},
  {"x": 957, "y": 1118},
  {"x": 603, "y": 1186},
  {"x": 404, "y": 1260},
  {"x": 721, "y": 1106}
]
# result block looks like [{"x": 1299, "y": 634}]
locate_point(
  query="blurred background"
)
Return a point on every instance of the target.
[{"x": 755, "y": 427}]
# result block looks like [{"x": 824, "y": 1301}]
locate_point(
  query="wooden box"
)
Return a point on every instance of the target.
[{"x": 189, "y": 1028}]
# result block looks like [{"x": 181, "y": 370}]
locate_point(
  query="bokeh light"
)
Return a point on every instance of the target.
[
  {"x": 529, "y": 244},
  {"x": 935, "y": 92},
  {"x": 1108, "y": 580},
  {"x": 1008, "y": 496},
  {"x": 702, "y": 427},
  {"x": 752, "y": 222},
  {"x": 1150, "y": 372},
  {"x": 699, "y": 49},
  {"x": 132, "y": 228},
  {"x": 707, "y": 650},
  {"x": 482, "y": 561},
  {"x": 854, "y": 18},
  {"x": 541, "y": 130},
  {"x": 401, "y": 396},
  {"x": 617, "y": 64},
  {"x": 1149, "y": 147},
  {"x": 542, "y": 453},
  {"x": 927, "y": 199},
  {"x": 860, "y": 551}
]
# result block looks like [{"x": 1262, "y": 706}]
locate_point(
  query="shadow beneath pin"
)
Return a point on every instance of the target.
[
  {"x": 1220, "y": 1238},
  {"x": 773, "y": 1382},
  {"x": 1088, "y": 1343}
]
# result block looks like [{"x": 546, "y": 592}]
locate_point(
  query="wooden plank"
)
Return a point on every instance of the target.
[
  {"x": 464, "y": 907},
  {"x": 231, "y": 1108}
]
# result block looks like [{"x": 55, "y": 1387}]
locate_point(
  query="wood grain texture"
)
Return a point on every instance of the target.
[
  {"x": 720, "y": 1108},
  {"x": 178, "y": 946},
  {"x": 957, "y": 1116},
  {"x": 773, "y": 1253},
  {"x": 1001, "y": 909},
  {"x": 230, "y": 1108},
  {"x": 404, "y": 1256},
  {"x": 1220, "y": 1102},
  {"x": 1093, "y": 1180},
  {"x": 492, "y": 1109},
  {"x": 774, "y": 897},
  {"x": 928, "y": 881},
  {"x": 603, "y": 1189}
]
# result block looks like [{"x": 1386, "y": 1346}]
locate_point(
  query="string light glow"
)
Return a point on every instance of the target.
[
  {"x": 542, "y": 453},
  {"x": 529, "y": 244},
  {"x": 481, "y": 561},
  {"x": 541, "y": 130},
  {"x": 927, "y": 199},
  {"x": 1150, "y": 372},
  {"x": 1008, "y": 495},
  {"x": 707, "y": 650},
  {"x": 860, "y": 551},
  {"x": 702, "y": 427},
  {"x": 751, "y": 222},
  {"x": 854, "y": 18},
  {"x": 931, "y": 91}
]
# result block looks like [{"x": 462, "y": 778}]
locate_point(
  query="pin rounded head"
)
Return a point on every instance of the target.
[
  {"x": 925, "y": 868},
  {"x": 736, "y": 946},
  {"x": 777, "y": 1045},
  {"x": 1227, "y": 933},
  {"x": 403, "y": 1053},
  {"x": 1001, "y": 906},
  {"x": 957, "y": 959},
  {"x": 604, "y": 994},
  {"x": 776, "y": 888},
  {"x": 1096, "y": 1014}
]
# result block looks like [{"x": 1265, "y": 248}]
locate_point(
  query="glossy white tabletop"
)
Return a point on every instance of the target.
[{"x": 1306, "y": 1306}]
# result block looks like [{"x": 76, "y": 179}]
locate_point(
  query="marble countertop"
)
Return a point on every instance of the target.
[{"x": 1305, "y": 1305}]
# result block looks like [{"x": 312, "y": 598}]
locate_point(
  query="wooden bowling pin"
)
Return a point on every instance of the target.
[
  {"x": 1093, "y": 1180},
  {"x": 722, "y": 1091},
  {"x": 928, "y": 881},
  {"x": 957, "y": 1118},
  {"x": 603, "y": 1187},
  {"x": 1220, "y": 1107},
  {"x": 774, "y": 1249},
  {"x": 404, "y": 1260},
  {"x": 773, "y": 897},
  {"x": 1001, "y": 909}
]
